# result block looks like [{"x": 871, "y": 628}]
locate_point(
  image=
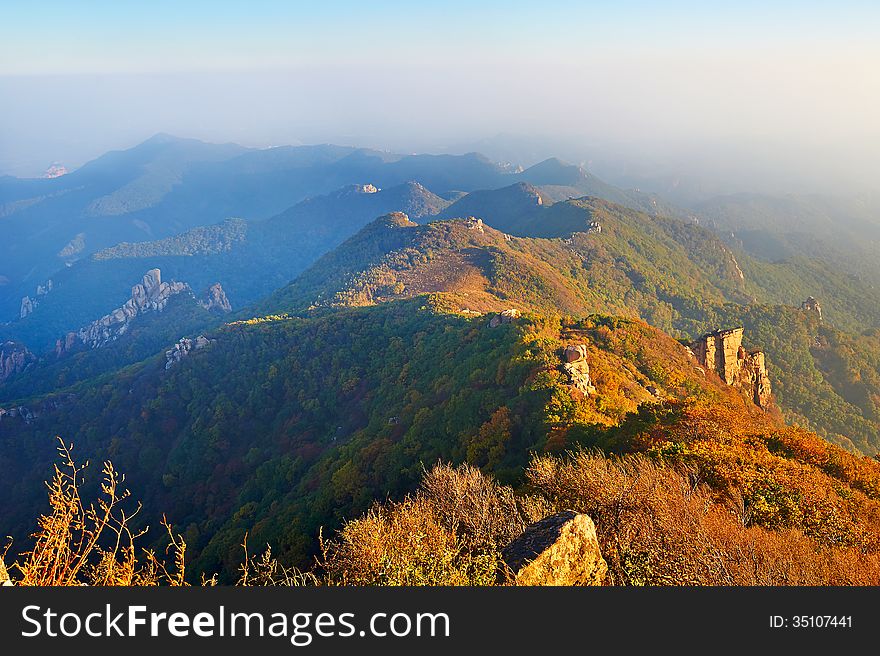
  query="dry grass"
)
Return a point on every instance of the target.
[
  {"x": 404, "y": 544},
  {"x": 659, "y": 526},
  {"x": 264, "y": 570}
]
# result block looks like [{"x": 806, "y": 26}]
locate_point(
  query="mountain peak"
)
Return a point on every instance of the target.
[
  {"x": 394, "y": 220},
  {"x": 554, "y": 171},
  {"x": 164, "y": 138}
]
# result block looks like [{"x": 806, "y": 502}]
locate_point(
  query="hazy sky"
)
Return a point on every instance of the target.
[{"x": 776, "y": 93}]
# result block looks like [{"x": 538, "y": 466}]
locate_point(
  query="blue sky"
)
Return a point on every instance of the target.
[
  {"x": 780, "y": 84},
  {"x": 163, "y": 36}
]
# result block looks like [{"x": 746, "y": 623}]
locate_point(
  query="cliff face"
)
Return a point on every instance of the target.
[
  {"x": 151, "y": 294},
  {"x": 216, "y": 299},
  {"x": 14, "y": 358},
  {"x": 723, "y": 353}
]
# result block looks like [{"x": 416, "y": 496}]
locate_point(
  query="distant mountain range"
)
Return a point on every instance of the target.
[{"x": 168, "y": 185}]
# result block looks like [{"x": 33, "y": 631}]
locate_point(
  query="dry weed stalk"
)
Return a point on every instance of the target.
[{"x": 94, "y": 544}]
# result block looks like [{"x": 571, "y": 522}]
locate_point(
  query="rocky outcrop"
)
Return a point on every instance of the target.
[
  {"x": 755, "y": 377},
  {"x": 562, "y": 549},
  {"x": 150, "y": 295},
  {"x": 21, "y": 412},
  {"x": 812, "y": 305},
  {"x": 723, "y": 353},
  {"x": 183, "y": 348},
  {"x": 475, "y": 224},
  {"x": 507, "y": 316},
  {"x": 28, "y": 304},
  {"x": 27, "y": 307},
  {"x": 29, "y": 414},
  {"x": 66, "y": 344},
  {"x": 719, "y": 352},
  {"x": 575, "y": 365},
  {"x": 56, "y": 170},
  {"x": 14, "y": 358},
  {"x": 42, "y": 290},
  {"x": 216, "y": 300}
]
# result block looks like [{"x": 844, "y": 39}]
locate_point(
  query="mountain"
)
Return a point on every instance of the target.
[
  {"x": 674, "y": 275},
  {"x": 628, "y": 263},
  {"x": 167, "y": 186},
  {"x": 248, "y": 258},
  {"x": 479, "y": 325},
  {"x": 560, "y": 180},
  {"x": 844, "y": 232},
  {"x": 516, "y": 209},
  {"x": 121, "y": 195},
  {"x": 581, "y": 256},
  {"x": 449, "y": 340},
  {"x": 282, "y": 425}
]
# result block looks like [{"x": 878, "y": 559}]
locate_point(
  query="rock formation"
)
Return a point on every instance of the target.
[
  {"x": 42, "y": 290},
  {"x": 14, "y": 358},
  {"x": 558, "y": 550},
  {"x": 578, "y": 369},
  {"x": 27, "y": 307},
  {"x": 475, "y": 224},
  {"x": 183, "y": 347},
  {"x": 56, "y": 170},
  {"x": 28, "y": 304},
  {"x": 507, "y": 316},
  {"x": 812, "y": 305},
  {"x": 755, "y": 377},
  {"x": 150, "y": 295},
  {"x": 723, "y": 353},
  {"x": 215, "y": 299},
  {"x": 21, "y": 412}
]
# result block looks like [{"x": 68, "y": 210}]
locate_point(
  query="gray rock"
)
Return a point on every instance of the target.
[
  {"x": 14, "y": 359},
  {"x": 216, "y": 299},
  {"x": 183, "y": 348},
  {"x": 507, "y": 316},
  {"x": 150, "y": 295}
]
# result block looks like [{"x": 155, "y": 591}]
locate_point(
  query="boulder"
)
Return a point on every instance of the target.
[
  {"x": 507, "y": 316},
  {"x": 575, "y": 352},
  {"x": 561, "y": 549},
  {"x": 575, "y": 365}
]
